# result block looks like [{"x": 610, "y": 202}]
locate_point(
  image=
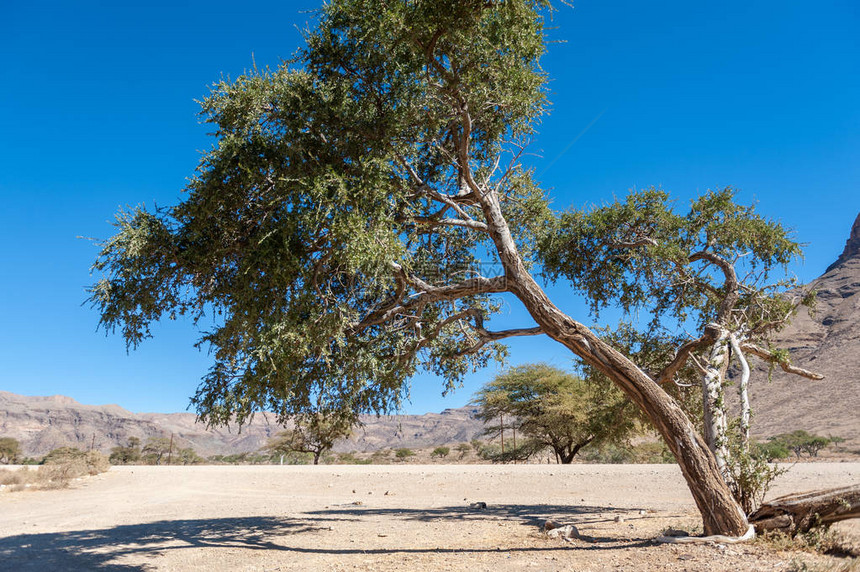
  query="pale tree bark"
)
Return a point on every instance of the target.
[
  {"x": 743, "y": 391},
  {"x": 713, "y": 399}
]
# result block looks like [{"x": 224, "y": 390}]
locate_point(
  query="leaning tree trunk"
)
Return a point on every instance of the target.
[
  {"x": 797, "y": 513},
  {"x": 721, "y": 513}
]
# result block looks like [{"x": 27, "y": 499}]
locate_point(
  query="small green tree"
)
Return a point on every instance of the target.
[
  {"x": 188, "y": 456},
  {"x": 155, "y": 449},
  {"x": 128, "y": 454},
  {"x": 10, "y": 449},
  {"x": 552, "y": 408},
  {"x": 801, "y": 441},
  {"x": 463, "y": 449},
  {"x": 711, "y": 270},
  {"x": 313, "y": 433},
  {"x": 403, "y": 453},
  {"x": 440, "y": 452}
]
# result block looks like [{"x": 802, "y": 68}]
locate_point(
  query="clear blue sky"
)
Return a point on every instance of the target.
[{"x": 97, "y": 111}]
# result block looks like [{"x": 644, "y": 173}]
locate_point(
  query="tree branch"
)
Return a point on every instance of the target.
[
  {"x": 684, "y": 353},
  {"x": 769, "y": 357},
  {"x": 487, "y": 336},
  {"x": 427, "y": 294}
]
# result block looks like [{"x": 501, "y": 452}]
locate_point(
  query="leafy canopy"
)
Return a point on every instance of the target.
[
  {"x": 312, "y": 433},
  {"x": 711, "y": 264},
  {"x": 555, "y": 409},
  {"x": 330, "y": 230}
]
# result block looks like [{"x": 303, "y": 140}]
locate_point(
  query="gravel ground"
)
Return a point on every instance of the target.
[{"x": 385, "y": 517}]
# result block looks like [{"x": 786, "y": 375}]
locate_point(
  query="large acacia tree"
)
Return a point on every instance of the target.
[{"x": 361, "y": 209}]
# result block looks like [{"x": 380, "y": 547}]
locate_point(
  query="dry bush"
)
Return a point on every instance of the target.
[
  {"x": 17, "y": 480},
  {"x": 820, "y": 540},
  {"x": 58, "y": 471}
]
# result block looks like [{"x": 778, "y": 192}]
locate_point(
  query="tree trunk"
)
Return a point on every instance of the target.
[
  {"x": 743, "y": 391},
  {"x": 721, "y": 513},
  {"x": 317, "y": 457},
  {"x": 797, "y": 513},
  {"x": 713, "y": 400}
]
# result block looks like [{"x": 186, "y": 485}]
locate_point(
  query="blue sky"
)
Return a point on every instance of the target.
[{"x": 97, "y": 111}]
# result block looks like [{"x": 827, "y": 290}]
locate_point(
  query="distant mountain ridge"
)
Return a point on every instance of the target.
[{"x": 45, "y": 423}]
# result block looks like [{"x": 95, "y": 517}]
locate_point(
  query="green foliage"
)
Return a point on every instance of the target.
[
  {"x": 552, "y": 408},
  {"x": 62, "y": 454},
  {"x": 463, "y": 449},
  {"x": 610, "y": 454},
  {"x": 188, "y": 456},
  {"x": 351, "y": 459},
  {"x": 315, "y": 212},
  {"x": 128, "y": 454},
  {"x": 66, "y": 463},
  {"x": 313, "y": 433},
  {"x": 440, "y": 452},
  {"x": 647, "y": 452},
  {"x": 156, "y": 450},
  {"x": 524, "y": 450},
  {"x": 248, "y": 458},
  {"x": 403, "y": 454},
  {"x": 10, "y": 449},
  {"x": 770, "y": 450},
  {"x": 639, "y": 254},
  {"x": 750, "y": 472},
  {"x": 800, "y": 441}
]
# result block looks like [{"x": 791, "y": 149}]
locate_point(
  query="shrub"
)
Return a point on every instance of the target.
[
  {"x": 440, "y": 452},
  {"x": 463, "y": 449},
  {"x": 59, "y": 467},
  {"x": 351, "y": 459},
  {"x": 802, "y": 442},
  {"x": 9, "y": 450},
  {"x": 750, "y": 476},
  {"x": 651, "y": 452},
  {"x": 609, "y": 454},
  {"x": 770, "y": 450},
  {"x": 403, "y": 454}
]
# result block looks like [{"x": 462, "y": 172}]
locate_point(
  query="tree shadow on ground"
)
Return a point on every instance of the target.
[
  {"x": 105, "y": 549},
  {"x": 531, "y": 514}
]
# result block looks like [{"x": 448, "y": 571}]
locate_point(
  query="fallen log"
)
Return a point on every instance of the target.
[{"x": 797, "y": 513}]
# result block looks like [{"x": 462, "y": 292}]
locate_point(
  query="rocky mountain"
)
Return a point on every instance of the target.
[
  {"x": 45, "y": 423},
  {"x": 828, "y": 342}
]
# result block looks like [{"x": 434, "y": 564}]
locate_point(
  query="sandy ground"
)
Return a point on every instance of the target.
[{"x": 410, "y": 517}]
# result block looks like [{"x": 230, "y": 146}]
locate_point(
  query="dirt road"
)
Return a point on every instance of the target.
[{"x": 409, "y": 517}]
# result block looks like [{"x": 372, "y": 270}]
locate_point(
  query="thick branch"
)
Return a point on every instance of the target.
[
  {"x": 743, "y": 392},
  {"x": 428, "y": 191},
  {"x": 427, "y": 294},
  {"x": 731, "y": 296},
  {"x": 487, "y": 337},
  {"x": 798, "y": 513},
  {"x": 473, "y": 224},
  {"x": 769, "y": 357},
  {"x": 684, "y": 353}
]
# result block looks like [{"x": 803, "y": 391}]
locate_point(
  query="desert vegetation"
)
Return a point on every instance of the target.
[{"x": 56, "y": 470}]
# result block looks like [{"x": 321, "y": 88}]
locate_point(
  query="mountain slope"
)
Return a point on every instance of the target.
[
  {"x": 45, "y": 423},
  {"x": 827, "y": 342}
]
